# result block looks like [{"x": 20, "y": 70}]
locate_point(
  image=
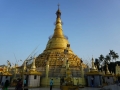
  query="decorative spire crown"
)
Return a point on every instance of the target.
[
  {"x": 33, "y": 67},
  {"x": 24, "y": 67},
  {"x": 58, "y": 13},
  {"x": 58, "y": 33}
]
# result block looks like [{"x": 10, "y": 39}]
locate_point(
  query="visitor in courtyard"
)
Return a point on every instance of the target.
[
  {"x": 2, "y": 84},
  {"x": 25, "y": 82},
  {"x": 51, "y": 84},
  {"x": 25, "y": 85},
  {"x": 6, "y": 85},
  {"x": 19, "y": 85},
  {"x": 92, "y": 81}
]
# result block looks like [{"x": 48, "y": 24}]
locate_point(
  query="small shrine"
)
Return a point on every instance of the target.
[
  {"x": 94, "y": 77},
  {"x": 5, "y": 75},
  {"x": 108, "y": 77},
  {"x": 32, "y": 77}
]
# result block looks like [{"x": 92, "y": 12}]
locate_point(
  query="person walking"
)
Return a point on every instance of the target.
[
  {"x": 6, "y": 85},
  {"x": 25, "y": 85},
  {"x": 19, "y": 85},
  {"x": 92, "y": 81},
  {"x": 51, "y": 84}
]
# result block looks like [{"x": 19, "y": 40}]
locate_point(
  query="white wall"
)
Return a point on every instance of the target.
[
  {"x": 33, "y": 82},
  {"x": 110, "y": 80},
  {"x": 4, "y": 79}
]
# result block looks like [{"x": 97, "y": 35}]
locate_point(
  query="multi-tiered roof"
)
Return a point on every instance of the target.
[{"x": 54, "y": 53}]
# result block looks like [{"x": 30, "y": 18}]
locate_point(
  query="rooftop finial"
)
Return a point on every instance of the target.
[
  {"x": 58, "y": 5},
  {"x": 58, "y": 26},
  {"x": 58, "y": 13},
  {"x": 93, "y": 66},
  {"x": 24, "y": 67},
  {"x": 33, "y": 67}
]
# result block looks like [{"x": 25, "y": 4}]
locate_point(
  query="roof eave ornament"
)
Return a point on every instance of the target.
[{"x": 58, "y": 13}]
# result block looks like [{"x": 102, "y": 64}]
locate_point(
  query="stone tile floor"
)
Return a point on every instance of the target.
[{"x": 110, "y": 87}]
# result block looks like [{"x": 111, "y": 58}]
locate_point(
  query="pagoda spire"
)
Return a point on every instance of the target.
[
  {"x": 24, "y": 67},
  {"x": 93, "y": 66},
  {"x": 58, "y": 33},
  {"x": 58, "y": 13},
  {"x": 33, "y": 67}
]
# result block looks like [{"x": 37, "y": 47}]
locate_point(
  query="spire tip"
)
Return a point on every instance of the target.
[{"x": 58, "y": 5}]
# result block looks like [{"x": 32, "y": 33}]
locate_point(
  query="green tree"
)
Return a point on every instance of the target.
[
  {"x": 101, "y": 58},
  {"x": 115, "y": 56},
  {"x": 111, "y": 53},
  {"x": 107, "y": 59}
]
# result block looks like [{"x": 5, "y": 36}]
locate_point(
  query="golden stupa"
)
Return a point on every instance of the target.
[{"x": 54, "y": 55}]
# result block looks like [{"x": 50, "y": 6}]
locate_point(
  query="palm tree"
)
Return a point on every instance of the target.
[
  {"x": 111, "y": 53},
  {"x": 107, "y": 59},
  {"x": 101, "y": 58},
  {"x": 115, "y": 56}
]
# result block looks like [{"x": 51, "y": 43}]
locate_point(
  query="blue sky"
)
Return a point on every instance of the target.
[{"x": 93, "y": 27}]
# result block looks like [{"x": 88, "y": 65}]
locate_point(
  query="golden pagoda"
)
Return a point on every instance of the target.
[
  {"x": 57, "y": 57},
  {"x": 53, "y": 56}
]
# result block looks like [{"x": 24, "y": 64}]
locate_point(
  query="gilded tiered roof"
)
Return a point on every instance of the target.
[
  {"x": 54, "y": 52},
  {"x": 5, "y": 72}
]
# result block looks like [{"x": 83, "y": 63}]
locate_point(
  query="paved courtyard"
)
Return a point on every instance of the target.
[{"x": 111, "y": 87}]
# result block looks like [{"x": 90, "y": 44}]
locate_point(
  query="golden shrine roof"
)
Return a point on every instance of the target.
[
  {"x": 108, "y": 75},
  {"x": 94, "y": 73},
  {"x": 118, "y": 75},
  {"x": 5, "y": 74},
  {"x": 32, "y": 72}
]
